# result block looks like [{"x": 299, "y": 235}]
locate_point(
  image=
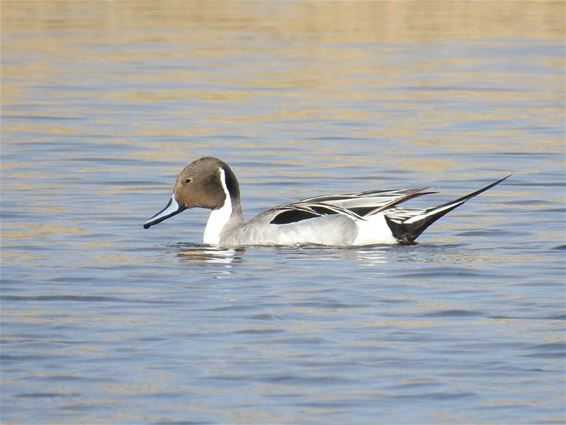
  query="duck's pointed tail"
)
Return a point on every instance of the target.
[{"x": 406, "y": 225}]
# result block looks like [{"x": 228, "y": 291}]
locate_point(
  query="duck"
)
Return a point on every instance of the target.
[{"x": 342, "y": 220}]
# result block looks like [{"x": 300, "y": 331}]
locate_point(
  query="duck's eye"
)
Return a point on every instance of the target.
[{"x": 187, "y": 181}]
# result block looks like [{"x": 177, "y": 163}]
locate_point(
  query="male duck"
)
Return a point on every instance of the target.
[{"x": 352, "y": 219}]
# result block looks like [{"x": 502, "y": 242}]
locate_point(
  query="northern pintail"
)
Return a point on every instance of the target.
[{"x": 351, "y": 219}]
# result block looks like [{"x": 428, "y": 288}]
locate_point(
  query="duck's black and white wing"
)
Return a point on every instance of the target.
[
  {"x": 356, "y": 205},
  {"x": 298, "y": 211}
]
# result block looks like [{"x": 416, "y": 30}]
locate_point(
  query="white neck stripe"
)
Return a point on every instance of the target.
[{"x": 218, "y": 218}]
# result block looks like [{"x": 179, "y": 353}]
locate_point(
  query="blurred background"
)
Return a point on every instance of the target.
[{"x": 103, "y": 102}]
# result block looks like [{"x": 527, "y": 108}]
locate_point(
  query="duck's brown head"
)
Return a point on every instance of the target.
[{"x": 206, "y": 183}]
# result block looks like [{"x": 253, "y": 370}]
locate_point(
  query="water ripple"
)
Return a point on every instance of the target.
[{"x": 81, "y": 298}]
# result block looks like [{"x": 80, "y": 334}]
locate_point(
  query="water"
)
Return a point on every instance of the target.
[{"x": 105, "y": 323}]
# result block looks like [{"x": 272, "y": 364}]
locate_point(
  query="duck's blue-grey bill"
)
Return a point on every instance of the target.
[{"x": 172, "y": 208}]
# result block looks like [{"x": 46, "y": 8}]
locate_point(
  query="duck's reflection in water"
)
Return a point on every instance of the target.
[
  {"x": 206, "y": 254},
  {"x": 368, "y": 255},
  {"x": 376, "y": 255}
]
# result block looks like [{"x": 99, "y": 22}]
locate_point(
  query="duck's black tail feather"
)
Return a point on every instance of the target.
[{"x": 408, "y": 227}]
